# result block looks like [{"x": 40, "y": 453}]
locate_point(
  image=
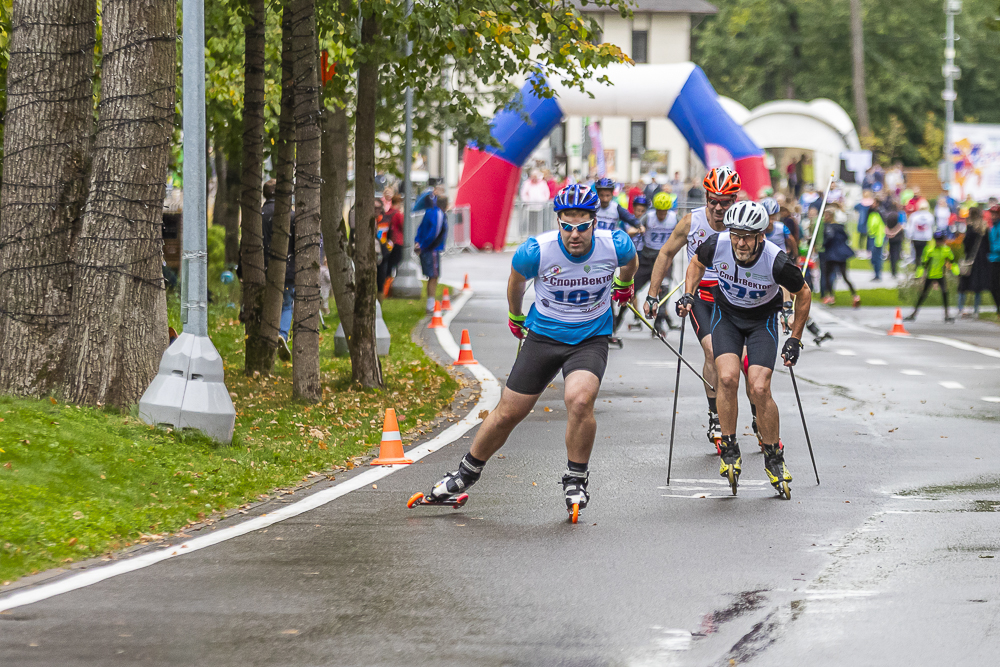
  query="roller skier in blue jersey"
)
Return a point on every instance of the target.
[{"x": 566, "y": 328}]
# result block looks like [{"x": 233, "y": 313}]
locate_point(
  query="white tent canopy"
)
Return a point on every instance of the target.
[{"x": 821, "y": 126}]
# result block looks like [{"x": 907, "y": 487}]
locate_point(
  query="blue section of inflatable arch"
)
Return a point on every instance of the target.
[
  {"x": 518, "y": 138},
  {"x": 702, "y": 120}
]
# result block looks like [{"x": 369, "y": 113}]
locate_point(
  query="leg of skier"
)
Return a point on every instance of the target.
[
  {"x": 701, "y": 322},
  {"x": 581, "y": 427},
  {"x": 728, "y": 384}
]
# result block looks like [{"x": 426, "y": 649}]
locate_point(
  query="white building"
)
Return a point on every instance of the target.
[{"x": 658, "y": 32}]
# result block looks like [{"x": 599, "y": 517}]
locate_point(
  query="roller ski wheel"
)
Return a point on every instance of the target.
[
  {"x": 635, "y": 326},
  {"x": 615, "y": 341},
  {"x": 819, "y": 340},
  {"x": 575, "y": 488},
  {"x": 729, "y": 464},
  {"x": 455, "y": 501}
]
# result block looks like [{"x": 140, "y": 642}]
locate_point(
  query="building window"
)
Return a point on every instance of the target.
[
  {"x": 638, "y": 139},
  {"x": 639, "y": 41}
]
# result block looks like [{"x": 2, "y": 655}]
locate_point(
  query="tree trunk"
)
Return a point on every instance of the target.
[
  {"x": 858, "y": 57},
  {"x": 305, "y": 355},
  {"x": 281, "y": 223},
  {"x": 367, "y": 369},
  {"x": 118, "y": 314},
  {"x": 46, "y": 135},
  {"x": 258, "y": 356},
  {"x": 227, "y": 204},
  {"x": 333, "y": 192}
]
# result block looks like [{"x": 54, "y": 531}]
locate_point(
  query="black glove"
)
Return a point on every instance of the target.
[
  {"x": 652, "y": 304},
  {"x": 790, "y": 352},
  {"x": 683, "y": 302}
]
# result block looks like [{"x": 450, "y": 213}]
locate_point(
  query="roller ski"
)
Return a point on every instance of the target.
[
  {"x": 819, "y": 336},
  {"x": 615, "y": 341},
  {"x": 729, "y": 461},
  {"x": 635, "y": 325},
  {"x": 715, "y": 431},
  {"x": 450, "y": 490},
  {"x": 575, "y": 487},
  {"x": 777, "y": 472}
]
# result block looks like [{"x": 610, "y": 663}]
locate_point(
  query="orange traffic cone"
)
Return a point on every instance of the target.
[
  {"x": 445, "y": 300},
  {"x": 466, "y": 286},
  {"x": 436, "y": 321},
  {"x": 897, "y": 326},
  {"x": 465, "y": 357},
  {"x": 391, "y": 451}
]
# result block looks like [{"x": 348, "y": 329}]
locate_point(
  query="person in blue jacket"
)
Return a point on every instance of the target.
[
  {"x": 429, "y": 244},
  {"x": 834, "y": 256}
]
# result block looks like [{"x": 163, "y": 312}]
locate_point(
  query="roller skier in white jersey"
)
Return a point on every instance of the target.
[
  {"x": 611, "y": 215},
  {"x": 656, "y": 226},
  {"x": 722, "y": 185},
  {"x": 566, "y": 328},
  {"x": 750, "y": 273}
]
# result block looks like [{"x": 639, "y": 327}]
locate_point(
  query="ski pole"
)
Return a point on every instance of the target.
[
  {"x": 804, "y": 427},
  {"x": 819, "y": 223},
  {"x": 673, "y": 415},
  {"x": 671, "y": 347}
]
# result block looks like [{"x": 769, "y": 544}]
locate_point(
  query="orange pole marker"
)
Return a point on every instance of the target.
[
  {"x": 897, "y": 326},
  {"x": 466, "y": 286},
  {"x": 436, "y": 321},
  {"x": 445, "y": 300},
  {"x": 391, "y": 451},
  {"x": 465, "y": 357}
]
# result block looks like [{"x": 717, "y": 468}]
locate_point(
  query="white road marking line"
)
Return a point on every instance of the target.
[
  {"x": 845, "y": 353},
  {"x": 911, "y": 371},
  {"x": 951, "y": 384},
  {"x": 877, "y": 362},
  {"x": 717, "y": 482},
  {"x": 488, "y": 400},
  {"x": 991, "y": 399}
]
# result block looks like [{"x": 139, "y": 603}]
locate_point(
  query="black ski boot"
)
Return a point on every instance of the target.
[
  {"x": 450, "y": 489},
  {"x": 575, "y": 487},
  {"x": 777, "y": 472},
  {"x": 729, "y": 460}
]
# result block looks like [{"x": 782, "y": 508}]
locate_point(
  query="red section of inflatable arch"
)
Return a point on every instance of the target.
[
  {"x": 488, "y": 186},
  {"x": 754, "y": 175}
]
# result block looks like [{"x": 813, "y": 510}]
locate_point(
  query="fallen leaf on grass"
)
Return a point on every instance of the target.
[
  {"x": 78, "y": 515},
  {"x": 52, "y": 400},
  {"x": 72, "y": 541}
]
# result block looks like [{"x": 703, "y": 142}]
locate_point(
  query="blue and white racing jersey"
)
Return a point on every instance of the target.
[{"x": 572, "y": 294}]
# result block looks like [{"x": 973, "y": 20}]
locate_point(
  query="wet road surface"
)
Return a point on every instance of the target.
[{"x": 889, "y": 561}]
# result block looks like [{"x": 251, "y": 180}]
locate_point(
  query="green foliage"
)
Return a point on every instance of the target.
[
  {"x": 759, "y": 50},
  {"x": 78, "y": 482},
  {"x": 216, "y": 251},
  {"x": 933, "y": 147}
]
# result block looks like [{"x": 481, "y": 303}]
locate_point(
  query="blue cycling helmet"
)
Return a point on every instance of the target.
[
  {"x": 576, "y": 196},
  {"x": 939, "y": 234},
  {"x": 640, "y": 200},
  {"x": 770, "y": 205},
  {"x": 605, "y": 184}
]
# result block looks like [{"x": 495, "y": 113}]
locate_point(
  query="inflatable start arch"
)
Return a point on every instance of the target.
[{"x": 680, "y": 91}]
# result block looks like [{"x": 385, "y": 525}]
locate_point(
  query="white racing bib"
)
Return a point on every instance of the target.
[
  {"x": 746, "y": 287},
  {"x": 575, "y": 292},
  {"x": 657, "y": 231},
  {"x": 607, "y": 218},
  {"x": 700, "y": 232}
]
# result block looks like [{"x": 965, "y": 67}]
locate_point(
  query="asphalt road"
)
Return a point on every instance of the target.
[{"x": 889, "y": 561}]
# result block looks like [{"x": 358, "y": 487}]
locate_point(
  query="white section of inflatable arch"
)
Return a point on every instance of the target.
[{"x": 639, "y": 91}]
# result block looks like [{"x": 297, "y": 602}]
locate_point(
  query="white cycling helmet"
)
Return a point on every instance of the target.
[{"x": 747, "y": 216}]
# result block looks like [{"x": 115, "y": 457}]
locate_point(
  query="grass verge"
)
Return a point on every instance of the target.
[{"x": 79, "y": 482}]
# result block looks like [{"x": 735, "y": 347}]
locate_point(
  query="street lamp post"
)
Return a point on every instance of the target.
[
  {"x": 951, "y": 73},
  {"x": 407, "y": 283},
  {"x": 189, "y": 391}
]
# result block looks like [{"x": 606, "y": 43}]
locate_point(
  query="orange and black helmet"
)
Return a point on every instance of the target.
[{"x": 722, "y": 181}]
